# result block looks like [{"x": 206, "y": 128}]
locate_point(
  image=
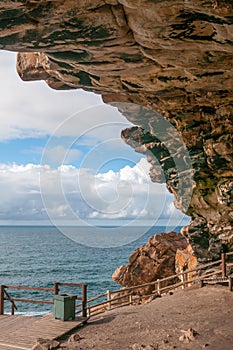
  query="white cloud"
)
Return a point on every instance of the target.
[
  {"x": 70, "y": 193},
  {"x": 32, "y": 109}
]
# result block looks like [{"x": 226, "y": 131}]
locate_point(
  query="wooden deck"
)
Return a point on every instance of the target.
[{"x": 21, "y": 332}]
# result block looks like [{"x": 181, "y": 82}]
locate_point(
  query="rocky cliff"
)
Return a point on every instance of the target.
[
  {"x": 172, "y": 57},
  {"x": 162, "y": 256}
]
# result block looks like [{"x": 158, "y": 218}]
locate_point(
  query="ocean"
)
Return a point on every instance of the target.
[{"x": 39, "y": 256}]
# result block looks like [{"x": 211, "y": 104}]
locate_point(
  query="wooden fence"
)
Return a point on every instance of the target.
[
  {"x": 127, "y": 296},
  {"x": 5, "y": 295},
  {"x": 130, "y": 295}
]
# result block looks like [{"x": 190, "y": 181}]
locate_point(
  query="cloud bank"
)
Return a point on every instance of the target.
[{"x": 35, "y": 193}]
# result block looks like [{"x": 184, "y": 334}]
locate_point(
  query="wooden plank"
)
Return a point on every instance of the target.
[
  {"x": 4, "y": 346},
  {"x": 24, "y": 331}
]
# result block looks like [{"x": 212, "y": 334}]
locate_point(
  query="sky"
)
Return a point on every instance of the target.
[{"x": 62, "y": 160}]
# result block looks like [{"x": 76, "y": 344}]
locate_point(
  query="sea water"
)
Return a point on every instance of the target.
[{"x": 39, "y": 256}]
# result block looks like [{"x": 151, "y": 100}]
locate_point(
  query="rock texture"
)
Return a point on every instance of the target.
[
  {"x": 173, "y": 57},
  {"x": 155, "y": 260}
]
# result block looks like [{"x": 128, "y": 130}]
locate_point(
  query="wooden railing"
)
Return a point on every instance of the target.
[
  {"x": 5, "y": 296},
  {"x": 128, "y": 295}
]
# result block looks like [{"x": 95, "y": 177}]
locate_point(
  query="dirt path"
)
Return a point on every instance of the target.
[{"x": 158, "y": 324}]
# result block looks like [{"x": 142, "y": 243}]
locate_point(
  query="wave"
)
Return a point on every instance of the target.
[{"x": 31, "y": 313}]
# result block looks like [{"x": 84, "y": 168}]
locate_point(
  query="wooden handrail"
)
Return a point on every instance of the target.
[
  {"x": 55, "y": 290},
  {"x": 30, "y": 288},
  {"x": 230, "y": 253},
  {"x": 162, "y": 290},
  {"x": 185, "y": 281},
  {"x": 71, "y": 284},
  {"x": 97, "y": 297},
  {"x": 31, "y": 301}
]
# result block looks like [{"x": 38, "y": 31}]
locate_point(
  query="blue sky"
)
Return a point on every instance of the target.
[{"x": 70, "y": 140}]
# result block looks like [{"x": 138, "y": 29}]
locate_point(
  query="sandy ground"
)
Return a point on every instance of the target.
[{"x": 159, "y": 324}]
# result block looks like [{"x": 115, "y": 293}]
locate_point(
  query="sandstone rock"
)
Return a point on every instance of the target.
[
  {"x": 175, "y": 58},
  {"x": 144, "y": 347},
  {"x": 74, "y": 338},
  {"x": 153, "y": 260},
  {"x": 46, "y": 344},
  {"x": 185, "y": 259},
  {"x": 136, "y": 347},
  {"x": 188, "y": 335}
]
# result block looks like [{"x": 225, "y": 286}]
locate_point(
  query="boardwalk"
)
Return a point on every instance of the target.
[{"x": 21, "y": 332}]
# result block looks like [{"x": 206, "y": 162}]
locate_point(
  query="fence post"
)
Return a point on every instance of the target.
[
  {"x": 158, "y": 287},
  {"x": 224, "y": 265},
  {"x": 84, "y": 300},
  {"x": 12, "y": 309},
  {"x": 89, "y": 311},
  {"x": 185, "y": 280},
  {"x": 130, "y": 299},
  {"x": 230, "y": 283},
  {"x": 56, "y": 289},
  {"x": 108, "y": 299},
  {"x": 182, "y": 279},
  {"x": 2, "y": 289}
]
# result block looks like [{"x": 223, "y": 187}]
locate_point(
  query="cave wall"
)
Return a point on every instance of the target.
[{"x": 172, "y": 57}]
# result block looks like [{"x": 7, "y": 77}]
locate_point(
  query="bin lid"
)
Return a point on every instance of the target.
[{"x": 63, "y": 297}]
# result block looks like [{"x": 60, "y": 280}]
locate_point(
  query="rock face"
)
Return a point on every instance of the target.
[
  {"x": 155, "y": 260},
  {"x": 173, "y": 57},
  {"x": 203, "y": 188}
]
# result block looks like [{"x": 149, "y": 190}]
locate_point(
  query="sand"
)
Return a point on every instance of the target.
[{"x": 159, "y": 324}]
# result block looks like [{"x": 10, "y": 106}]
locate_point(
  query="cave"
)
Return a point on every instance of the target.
[{"x": 167, "y": 66}]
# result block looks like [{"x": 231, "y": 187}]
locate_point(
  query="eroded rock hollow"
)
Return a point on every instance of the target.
[{"x": 174, "y": 58}]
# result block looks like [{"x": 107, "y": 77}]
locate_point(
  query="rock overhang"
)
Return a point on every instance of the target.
[{"x": 171, "y": 57}]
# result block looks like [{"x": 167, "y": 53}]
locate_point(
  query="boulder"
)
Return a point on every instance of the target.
[
  {"x": 46, "y": 344},
  {"x": 154, "y": 260}
]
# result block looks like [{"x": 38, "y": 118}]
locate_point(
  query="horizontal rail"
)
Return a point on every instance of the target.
[
  {"x": 30, "y": 288},
  {"x": 230, "y": 253},
  {"x": 97, "y": 297},
  {"x": 135, "y": 287},
  {"x": 97, "y": 312},
  {"x": 120, "y": 305},
  {"x": 183, "y": 283},
  {"x": 30, "y": 301},
  {"x": 71, "y": 284},
  {"x": 111, "y": 300},
  {"x": 77, "y": 305},
  {"x": 78, "y": 311}
]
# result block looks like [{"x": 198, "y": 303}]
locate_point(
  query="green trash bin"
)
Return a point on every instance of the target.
[{"x": 64, "y": 307}]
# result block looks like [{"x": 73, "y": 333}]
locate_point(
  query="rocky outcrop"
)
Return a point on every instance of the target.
[
  {"x": 173, "y": 57},
  {"x": 156, "y": 260},
  {"x": 201, "y": 180}
]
